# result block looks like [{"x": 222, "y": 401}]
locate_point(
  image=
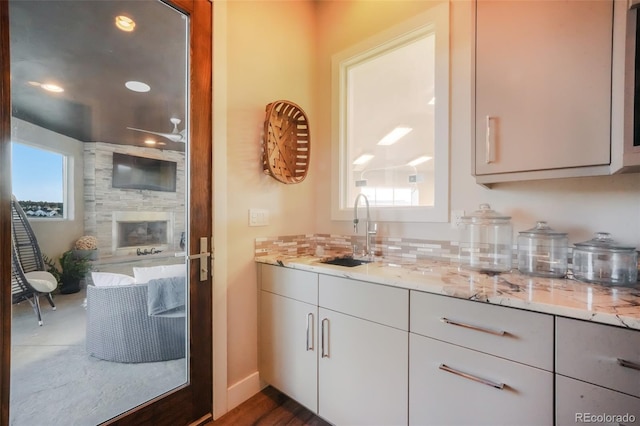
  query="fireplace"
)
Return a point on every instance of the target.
[{"x": 142, "y": 232}]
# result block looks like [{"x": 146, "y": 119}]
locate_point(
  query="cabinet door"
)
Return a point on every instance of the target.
[
  {"x": 580, "y": 402},
  {"x": 288, "y": 350},
  {"x": 362, "y": 371},
  {"x": 440, "y": 394},
  {"x": 543, "y": 85}
]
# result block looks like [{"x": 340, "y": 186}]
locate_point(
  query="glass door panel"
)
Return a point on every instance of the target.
[{"x": 103, "y": 86}]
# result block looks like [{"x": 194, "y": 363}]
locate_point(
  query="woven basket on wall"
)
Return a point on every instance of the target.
[{"x": 287, "y": 142}]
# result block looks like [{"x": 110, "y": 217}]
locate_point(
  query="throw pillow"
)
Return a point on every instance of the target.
[
  {"x": 144, "y": 275},
  {"x": 108, "y": 279}
]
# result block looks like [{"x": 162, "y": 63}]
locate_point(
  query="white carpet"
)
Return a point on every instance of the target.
[{"x": 54, "y": 381}]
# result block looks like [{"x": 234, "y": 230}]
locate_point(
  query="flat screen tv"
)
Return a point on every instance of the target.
[{"x": 131, "y": 172}]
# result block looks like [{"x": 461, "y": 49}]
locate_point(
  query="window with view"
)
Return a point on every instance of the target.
[{"x": 38, "y": 181}]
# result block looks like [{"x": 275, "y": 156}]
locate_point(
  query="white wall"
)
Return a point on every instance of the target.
[
  {"x": 579, "y": 206},
  {"x": 55, "y": 236}
]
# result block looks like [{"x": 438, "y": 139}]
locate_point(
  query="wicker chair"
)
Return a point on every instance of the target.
[
  {"x": 119, "y": 328},
  {"x": 29, "y": 278}
]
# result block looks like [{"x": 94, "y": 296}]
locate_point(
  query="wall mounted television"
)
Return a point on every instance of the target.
[{"x": 131, "y": 172}]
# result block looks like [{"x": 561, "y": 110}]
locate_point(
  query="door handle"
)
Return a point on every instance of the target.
[
  {"x": 203, "y": 256},
  {"x": 490, "y": 141}
]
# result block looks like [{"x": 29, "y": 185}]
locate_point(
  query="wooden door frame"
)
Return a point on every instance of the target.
[{"x": 188, "y": 403}]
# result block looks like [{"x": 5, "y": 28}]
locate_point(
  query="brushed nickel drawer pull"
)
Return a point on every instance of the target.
[
  {"x": 309, "y": 331},
  {"x": 628, "y": 364},
  {"x": 323, "y": 353},
  {"x": 471, "y": 377},
  {"x": 473, "y": 327}
]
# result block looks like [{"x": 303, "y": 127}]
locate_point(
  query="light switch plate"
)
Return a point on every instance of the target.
[{"x": 258, "y": 217}]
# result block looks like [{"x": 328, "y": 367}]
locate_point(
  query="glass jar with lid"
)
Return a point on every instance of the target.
[
  {"x": 486, "y": 241},
  {"x": 605, "y": 261},
  {"x": 543, "y": 252}
]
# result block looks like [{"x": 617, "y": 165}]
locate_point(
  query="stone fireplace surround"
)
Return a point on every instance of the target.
[{"x": 104, "y": 206}]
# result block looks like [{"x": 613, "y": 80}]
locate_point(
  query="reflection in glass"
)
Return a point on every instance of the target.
[
  {"x": 123, "y": 339},
  {"x": 390, "y": 104}
]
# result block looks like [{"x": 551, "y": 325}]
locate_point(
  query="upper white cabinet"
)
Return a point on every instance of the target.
[{"x": 549, "y": 89}]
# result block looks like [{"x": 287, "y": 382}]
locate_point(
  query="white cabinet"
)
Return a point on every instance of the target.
[
  {"x": 288, "y": 333},
  {"x": 581, "y": 402},
  {"x": 474, "y": 363},
  {"x": 598, "y": 371},
  {"x": 363, "y": 366},
  {"x": 543, "y": 88},
  {"x": 452, "y": 385}
]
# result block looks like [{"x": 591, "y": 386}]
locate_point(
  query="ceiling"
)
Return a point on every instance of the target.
[{"x": 76, "y": 45}]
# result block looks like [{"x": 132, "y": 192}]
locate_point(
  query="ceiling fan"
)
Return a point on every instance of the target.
[{"x": 175, "y": 136}]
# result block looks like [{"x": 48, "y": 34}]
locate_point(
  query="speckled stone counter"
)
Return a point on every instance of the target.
[{"x": 619, "y": 306}]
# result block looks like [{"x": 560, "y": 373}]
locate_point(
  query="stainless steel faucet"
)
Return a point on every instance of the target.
[{"x": 369, "y": 231}]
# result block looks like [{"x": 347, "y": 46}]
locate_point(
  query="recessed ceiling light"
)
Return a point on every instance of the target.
[
  {"x": 394, "y": 135},
  {"x": 137, "y": 86},
  {"x": 49, "y": 87},
  {"x": 150, "y": 142},
  {"x": 125, "y": 23},
  {"x": 363, "y": 159},
  {"x": 419, "y": 160}
]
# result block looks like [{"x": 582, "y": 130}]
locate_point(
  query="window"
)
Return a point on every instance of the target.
[
  {"x": 391, "y": 121},
  {"x": 38, "y": 179}
]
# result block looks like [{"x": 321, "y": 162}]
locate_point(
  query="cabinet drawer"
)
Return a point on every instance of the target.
[
  {"x": 293, "y": 283},
  {"x": 441, "y": 397},
  {"x": 578, "y": 401},
  {"x": 521, "y": 336},
  {"x": 590, "y": 352},
  {"x": 373, "y": 302}
]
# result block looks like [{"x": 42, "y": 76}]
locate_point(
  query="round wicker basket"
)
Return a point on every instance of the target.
[{"x": 287, "y": 142}]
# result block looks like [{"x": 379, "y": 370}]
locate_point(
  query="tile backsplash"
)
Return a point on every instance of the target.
[{"x": 390, "y": 248}]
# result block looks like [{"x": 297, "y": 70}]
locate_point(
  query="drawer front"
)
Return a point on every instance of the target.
[
  {"x": 293, "y": 283},
  {"x": 373, "y": 302},
  {"x": 442, "y": 397},
  {"x": 579, "y": 402},
  {"x": 591, "y": 352},
  {"x": 521, "y": 336}
]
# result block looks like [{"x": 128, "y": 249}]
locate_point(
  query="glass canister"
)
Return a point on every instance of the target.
[
  {"x": 486, "y": 240},
  {"x": 543, "y": 252},
  {"x": 605, "y": 261}
]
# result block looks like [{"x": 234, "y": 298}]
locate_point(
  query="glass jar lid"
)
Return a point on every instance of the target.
[
  {"x": 542, "y": 230},
  {"x": 603, "y": 242},
  {"x": 485, "y": 215}
]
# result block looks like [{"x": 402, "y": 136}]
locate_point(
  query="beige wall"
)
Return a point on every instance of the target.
[
  {"x": 580, "y": 206},
  {"x": 270, "y": 56}
]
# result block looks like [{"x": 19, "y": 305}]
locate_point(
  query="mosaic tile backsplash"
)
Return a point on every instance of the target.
[{"x": 338, "y": 245}]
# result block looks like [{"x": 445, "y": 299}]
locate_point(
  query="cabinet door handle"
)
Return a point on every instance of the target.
[
  {"x": 309, "y": 331},
  {"x": 324, "y": 354},
  {"x": 473, "y": 327},
  {"x": 490, "y": 142},
  {"x": 471, "y": 377},
  {"x": 628, "y": 364}
]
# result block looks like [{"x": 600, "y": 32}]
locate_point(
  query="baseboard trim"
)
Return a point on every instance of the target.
[{"x": 242, "y": 390}]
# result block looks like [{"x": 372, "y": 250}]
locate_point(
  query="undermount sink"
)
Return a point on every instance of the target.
[{"x": 347, "y": 261}]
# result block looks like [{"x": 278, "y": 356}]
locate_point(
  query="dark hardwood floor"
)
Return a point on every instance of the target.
[{"x": 269, "y": 407}]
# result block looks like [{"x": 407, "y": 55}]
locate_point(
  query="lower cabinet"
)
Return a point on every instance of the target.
[
  {"x": 288, "y": 352},
  {"x": 581, "y": 402},
  {"x": 452, "y": 385},
  {"x": 362, "y": 371},
  {"x": 359, "y": 353}
]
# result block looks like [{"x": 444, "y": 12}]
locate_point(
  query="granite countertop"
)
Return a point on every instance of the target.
[{"x": 619, "y": 306}]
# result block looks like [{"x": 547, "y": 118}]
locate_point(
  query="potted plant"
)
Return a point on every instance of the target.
[
  {"x": 72, "y": 271},
  {"x": 86, "y": 247}
]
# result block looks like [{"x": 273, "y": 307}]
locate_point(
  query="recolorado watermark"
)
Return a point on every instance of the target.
[{"x": 605, "y": 418}]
